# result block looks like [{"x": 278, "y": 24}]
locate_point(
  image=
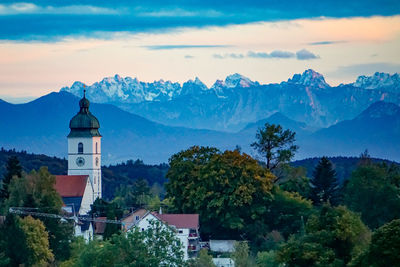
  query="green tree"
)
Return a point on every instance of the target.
[
  {"x": 37, "y": 241},
  {"x": 229, "y": 190},
  {"x": 241, "y": 255},
  {"x": 294, "y": 180},
  {"x": 384, "y": 248},
  {"x": 275, "y": 144},
  {"x": 110, "y": 210},
  {"x": 333, "y": 237},
  {"x": 13, "y": 169},
  {"x": 289, "y": 212},
  {"x": 37, "y": 191},
  {"x": 324, "y": 184},
  {"x": 203, "y": 260},
  {"x": 12, "y": 241},
  {"x": 153, "y": 247},
  {"x": 373, "y": 190},
  {"x": 267, "y": 259},
  {"x": 134, "y": 196}
]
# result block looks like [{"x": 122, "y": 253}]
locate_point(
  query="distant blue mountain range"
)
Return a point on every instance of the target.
[
  {"x": 231, "y": 104},
  {"x": 41, "y": 126}
]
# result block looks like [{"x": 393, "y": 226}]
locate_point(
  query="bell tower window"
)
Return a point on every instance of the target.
[{"x": 80, "y": 148}]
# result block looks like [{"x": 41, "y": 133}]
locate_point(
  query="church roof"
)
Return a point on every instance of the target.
[
  {"x": 71, "y": 185},
  {"x": 84, "y": 123}
]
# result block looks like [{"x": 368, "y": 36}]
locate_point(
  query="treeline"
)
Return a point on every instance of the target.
[
  {"x": 125, "y": 173},
  {"x": 343, "y": 166}
]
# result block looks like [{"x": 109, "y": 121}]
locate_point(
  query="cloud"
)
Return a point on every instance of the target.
[
  {"x": 326, "y": 42},
  {"x": 281, "y": 54},
  {"x": 30, "y": 8},
  {"x": 305, "y": 55},
  {"x": 273, "y": 54},
  {"x": 300, "y": 55},
  {"x": 231, "y": 55},
  {"x": 170, "y": 47},
  {"x": 257, "y": 54},
  {"x": 45, "y": 20}
]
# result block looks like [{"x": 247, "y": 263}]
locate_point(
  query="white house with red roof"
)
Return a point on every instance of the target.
[
  {"x": 80, "y": 188},
  {"x": 185, "y": 226}
]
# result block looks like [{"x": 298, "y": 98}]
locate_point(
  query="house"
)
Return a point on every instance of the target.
[{"x": 185, "y": 226}]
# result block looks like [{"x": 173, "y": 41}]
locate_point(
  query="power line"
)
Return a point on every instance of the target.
[{"x": 75, "y": 218}]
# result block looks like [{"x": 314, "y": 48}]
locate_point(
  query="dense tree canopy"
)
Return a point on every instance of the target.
[
  {"x": 384, "y": 248},
  {"x": 153, "y": 247},
  {"x": 275, "y": 144},
  {"x": 229, "y": 190},
  {"x": 37, "y": 192},
  {"x": 333, "y": 237},
  {"x": 374, "y": 190}
]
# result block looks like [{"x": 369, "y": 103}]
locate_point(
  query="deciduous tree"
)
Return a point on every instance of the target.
[
  {"x": 275, "y": 144},
  {"x": 229, "y": 190}
]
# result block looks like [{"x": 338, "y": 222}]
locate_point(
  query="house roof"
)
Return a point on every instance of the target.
[
  {"x": 190, "y": 221},
  {"x": 71, "y": 185},
  {"x": 130, "y": 218}
]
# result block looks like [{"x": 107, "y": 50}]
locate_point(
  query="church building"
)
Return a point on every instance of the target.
[{"x": 82, "y": 186}]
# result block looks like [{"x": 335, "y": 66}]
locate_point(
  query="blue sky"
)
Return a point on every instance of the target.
[{"x": 45, "y": 45}]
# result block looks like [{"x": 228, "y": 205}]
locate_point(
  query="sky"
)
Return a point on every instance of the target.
[{"x": 46, "y": 45}]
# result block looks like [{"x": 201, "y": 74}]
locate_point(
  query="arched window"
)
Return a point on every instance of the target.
[{"x": 80, "y": 148}]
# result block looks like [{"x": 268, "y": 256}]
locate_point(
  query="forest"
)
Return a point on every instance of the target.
[{"x": 279, "y": 214}]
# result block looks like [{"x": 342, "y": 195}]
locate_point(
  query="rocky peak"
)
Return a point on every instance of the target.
[
  {"x": 309, "y": 78},
  {"x": 237, "y": 80},
  {"x": 378, "y": 80}
]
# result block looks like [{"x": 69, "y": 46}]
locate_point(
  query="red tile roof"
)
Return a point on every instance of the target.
[
  {"x": 190, "y": 221},
  {"x": 71, "y": 185}
]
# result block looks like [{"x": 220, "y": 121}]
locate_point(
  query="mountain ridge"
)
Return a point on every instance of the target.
[{"x": 230, "y": 104}]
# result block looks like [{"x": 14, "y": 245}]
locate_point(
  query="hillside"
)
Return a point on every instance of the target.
[
  {"x": 113, "y": 175},
  {"x": 377, "y": 129},
  {"x": 41, "y": 126}
]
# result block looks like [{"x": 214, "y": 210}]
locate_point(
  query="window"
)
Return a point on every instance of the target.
[
  {"x": 80, "y": 148},
  {"x": 137, "y": 218},
  {"x": 96, "y": 147},
  {"x": 180, "y": 231}
]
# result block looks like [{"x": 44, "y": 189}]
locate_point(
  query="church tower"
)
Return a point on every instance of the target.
[{"x": 84, "y": 151}]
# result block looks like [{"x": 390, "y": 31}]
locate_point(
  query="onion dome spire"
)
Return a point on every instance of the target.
[{"x": 84, "y": 124}]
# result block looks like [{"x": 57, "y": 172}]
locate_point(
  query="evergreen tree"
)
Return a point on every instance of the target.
[
  {"x": 324, "y": 184},
  {"x": 13, "y": 169}
]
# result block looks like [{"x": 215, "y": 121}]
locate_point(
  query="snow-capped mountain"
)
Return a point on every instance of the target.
[
  {"x": 309, "y": 78},
  {"x": 232, "y": 103},
  {"x": 379, "y": 80},
  {"x": 126, "y": 90}
]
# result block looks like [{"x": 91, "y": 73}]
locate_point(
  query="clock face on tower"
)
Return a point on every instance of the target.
[{"x": 80, "y": 161}]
